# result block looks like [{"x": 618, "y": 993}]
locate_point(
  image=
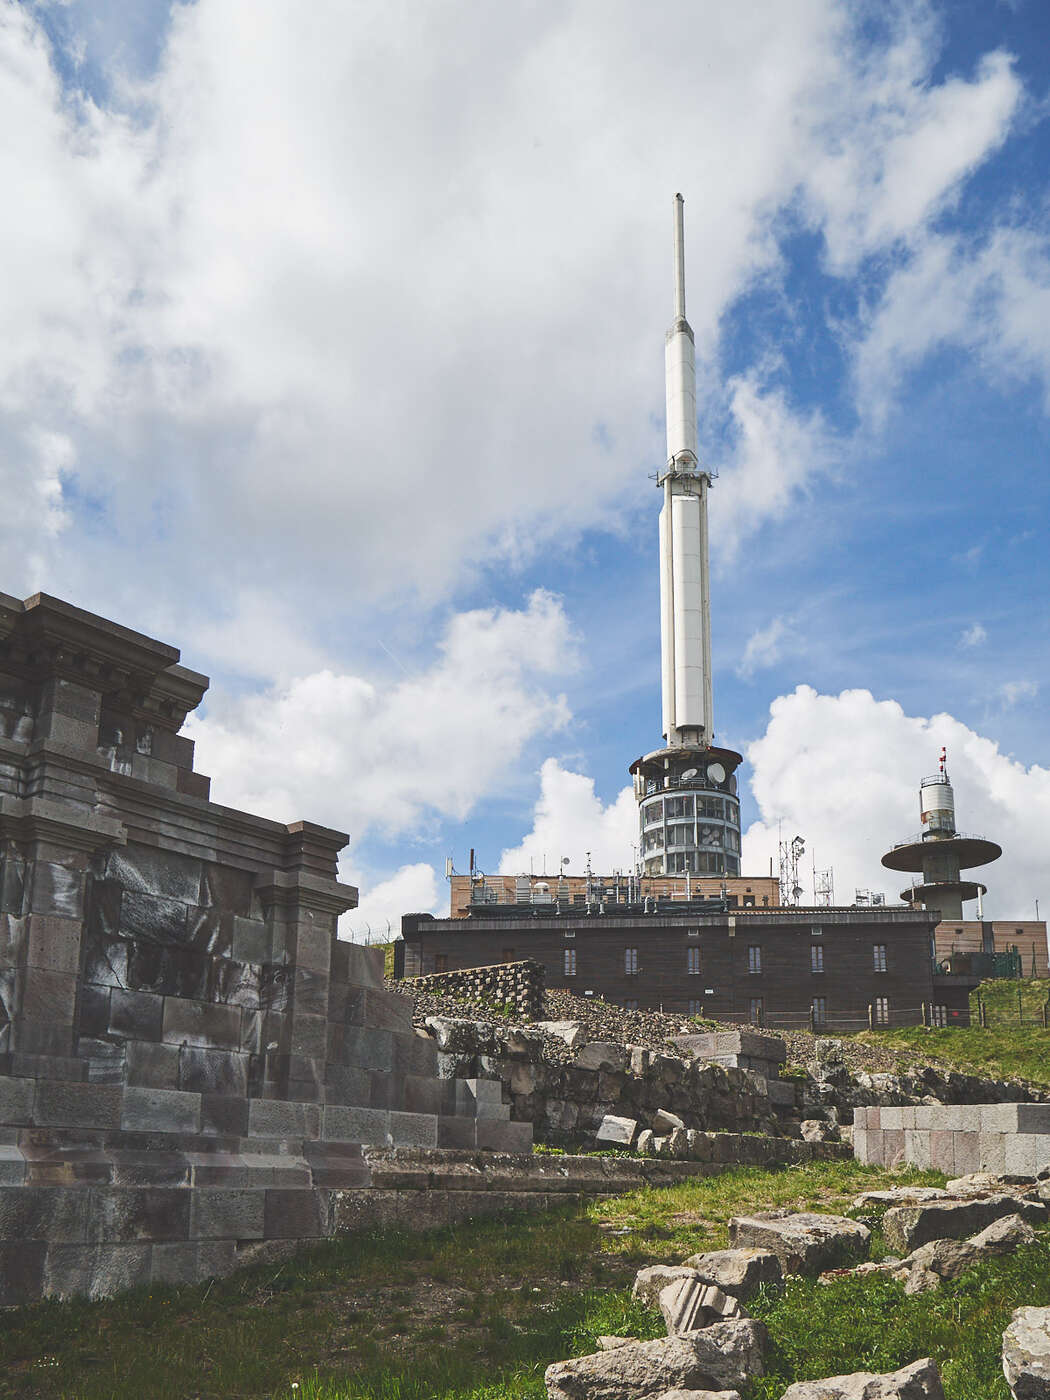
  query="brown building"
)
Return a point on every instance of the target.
[
  {"x": 571, "y": 891},
  {"x": 779, "y": 967},
  {"x": 1012, "y": 947}
]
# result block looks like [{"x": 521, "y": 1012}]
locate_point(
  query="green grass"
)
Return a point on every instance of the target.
[
  {"x": 476, "y": 1312},
  {"x": 1000, "y": 997},
  {"x": 995, "y": 1053}
]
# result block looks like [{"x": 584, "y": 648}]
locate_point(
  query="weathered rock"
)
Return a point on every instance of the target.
[
  {"x": 650, "y": 1282},
  {"x": 1026, "y": 1354},
  {"x": 945, "y": 1258},
  {"x": 919, "y": 1381},
  {"x": 644, "y": 1145},
  {"x": 723, "y": 1356},
  {"x": 665, "y": 1122},
  {"x": 617, "y": 1132},
  {"x": 1004, "y": 1236},
  {"x": 905, "y": 1227},
  {"x": 920, "y": 1281},
  {"x": 899, "y": 1195},
  {"x": 611, "y": 1343},
  {"x": 699, "y": 1395},
  {"x": 817, "y": 1130},
  {"x": 601, "y": 1054},
  {"x": 804, "y": 1241},
  {"x": 972, "y": 1184},
  {"x": 689, "y": 1303},
  {"x": 571, "y": 1032},
  {"x": 739, "y": 1272}
]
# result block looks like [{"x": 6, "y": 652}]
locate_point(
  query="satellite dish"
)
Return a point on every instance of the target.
[
  {"x": 716, "y": 772},
  {"x": 689, "y": 773}
]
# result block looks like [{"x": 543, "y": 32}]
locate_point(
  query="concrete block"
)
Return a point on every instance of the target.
[
  {"x": 347, "y": 1124},
  {"x": 917, "y": 1147},
  {"x": 1021, "y": 1154},
  {"x": 63, "y": 1105},
  {"x": 210, "y": 1026},
  {"x": 998, "y": 1118},
  {"x": 160, "y": 1111},
  {"x": 414, "y": 1129},
  {"x": 1033, "y": 1117},
  {"x": 281, "y": 1119},
  {"x": 230, "y": 1215},
  {"x": 149, "y": 1065}
]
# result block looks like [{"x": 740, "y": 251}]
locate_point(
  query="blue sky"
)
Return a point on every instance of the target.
[{"x": 334, "y": 355}]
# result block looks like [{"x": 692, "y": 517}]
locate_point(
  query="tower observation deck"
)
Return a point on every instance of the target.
[
  {"x": 688, "y": 811},
  {"x": 939, "y": 854}
]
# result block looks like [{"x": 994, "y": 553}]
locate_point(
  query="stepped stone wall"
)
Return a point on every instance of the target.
[
  {"x": 1011, "y": 1139},
  {"x": 189, "y": 1059},
  {"x": 516, "y": 986}
]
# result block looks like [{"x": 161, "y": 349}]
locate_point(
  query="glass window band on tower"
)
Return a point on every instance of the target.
[{"x": 688, "y": 812}]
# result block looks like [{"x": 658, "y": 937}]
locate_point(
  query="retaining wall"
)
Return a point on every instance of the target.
[
  {"x": 516, "y": 986},
  {"x": 1004, "y": 1138}
]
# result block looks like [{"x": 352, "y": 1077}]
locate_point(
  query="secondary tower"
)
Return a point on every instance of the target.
[
  {"x": 939, "y": 853},
  {"x": 689, "y": 815}
]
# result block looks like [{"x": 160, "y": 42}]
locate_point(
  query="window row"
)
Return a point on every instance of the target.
[
  {"x": 679, "y": 808},
  {"x": 816, "y": 957}
]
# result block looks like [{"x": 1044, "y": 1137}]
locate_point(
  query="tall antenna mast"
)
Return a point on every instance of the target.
[{"x": 679, "y": 257}]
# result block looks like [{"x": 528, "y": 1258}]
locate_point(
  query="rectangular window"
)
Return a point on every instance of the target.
[
  {"x": 878, "y": 951},
  {"x": 570, "y": 933},
  {"x": 882, "y": 1011},
  {"x": 816, "y": 931},
  {"x": 754, "y": 958},
  {"x": 756, "y": 1011},
  {"x": 630, "y": 1005},
  {"x": 939, "y": 1015},
  {"x": 630, "y": 962},
  {"x": 816, "y": 957},
  {"x": 570, "y": 962},
  {"x": 692, "y": 933},
  {"x": 696, "y": 1007},
  {"x": 818, "y": 1011},
  {"x": 692, "y": 962},
  {"x": 749, "y": 901},
  {"x": 440, "y": 962}
]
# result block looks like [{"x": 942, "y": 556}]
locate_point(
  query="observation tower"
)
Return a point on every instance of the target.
[
  {"x": 939, "y": 853},
  {"x": 688, "y": 812}
]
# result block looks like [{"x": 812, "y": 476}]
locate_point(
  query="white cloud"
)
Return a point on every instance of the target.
[
  {"x": 414, "y": 889},
  {"x": 364, "y": 756},
  {"x": 295, "y": 303},
  {"x": 1012, "y": 691},
  {"x": 766, "y": 646},
  {"x": 569, "y": 820},
  {"x": 844, "y": 771},
  {"x": 974, "y": 636}
]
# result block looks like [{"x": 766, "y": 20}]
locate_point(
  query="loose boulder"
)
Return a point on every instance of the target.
[
  {"x": 920, "y": 1381},
  {"x": 571, "y": 1032},
  {"x": 721, "y": 1357},
  {"x": 803, "y": 1242},
  {"x": 945, "y": 1258},
  {"x": 1004, "y": 1236},
  {"x": 616, "y": 1132},
  {"x": 1026, "y": 1354},
  {"x": 817, "y": 1130},
  {"x": 906, "y": 1227},
  {"x": 739, "y": 1272},
  {"x": 601, "y": 1054},
  {"x": 688, "y": 1304},
  {"x": 665, "y": 1122},
  {"x": 699, "y": 1395}
]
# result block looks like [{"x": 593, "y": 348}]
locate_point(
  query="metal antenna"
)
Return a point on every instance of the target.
[{"x": 679, "y": 257}]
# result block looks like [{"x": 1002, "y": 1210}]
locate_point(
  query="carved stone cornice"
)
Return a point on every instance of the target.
[{"x": 36, "y": 819}]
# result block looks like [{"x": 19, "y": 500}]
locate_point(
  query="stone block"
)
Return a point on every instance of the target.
[
  {"x": 63, "y": 1105},
  {"x": 1033, "y": 1117},
  {"x": 414, "y": 1129},
  {"x": 1021, "y": 1154},
  {"x": 942, "y": 1150},
  {"x": 251, "y": 940},
  {"x": 16, "y": 1100},
  {"x": 57, "y": 890},
  {"x": 457, "y": 1133},
  {"x": 308, "y": 1034},
  {"x": 203, "y": 1024},
  {"x": 213, "y": 1071},
  {"x": 363, "y": 966},
  {"x": 802, "y": 1241},
  {"x": 224, "y": 1114},
  {"x": 21, "y": 1272},
  {"x": 53, "y": 943},
  {"x": 721, "y": 1357},
  {"x": 421, "y": 1095},
  {"x": 890, "y": 1118},
  {"x": 892, "y": 1146},
  {"x": 160, "y": 1111},
  {"x": 993, "y": 1153},
  {"x": 917, "y": 1147},
  {"x": 95, "y": 1271},
  {"x": 48, "y": 996},
  {"x": 1026, "y": 1354},
  {"x": 375, "y": 1006},
  {"x": 345, "y": 1085},
  {"x": 150, "y": 1065},
  {"x": 281, "y": 1119},
  {"x": 348, "y": 1124},
  {"x": 296, "y": 1215},
  {"x": 227, "y": 1215},
  {"x": 998, "y": 1117},
  {"x": 128, "y": 1214},
  {"x": 967, "y": 1153},
  {"x": 192, "y": 1262},
  {"x": 135, "y": 1015},
  {"x": 496, "y": 1136}
]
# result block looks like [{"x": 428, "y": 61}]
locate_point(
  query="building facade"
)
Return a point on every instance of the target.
[
  {"x": 789, "y": 967},
  {"x": 478, "y": 892},
  {"x": 995, "y": 948}
]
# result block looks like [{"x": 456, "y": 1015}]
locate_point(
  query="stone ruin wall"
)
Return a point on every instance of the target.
[{"x": 515, "y": 988}]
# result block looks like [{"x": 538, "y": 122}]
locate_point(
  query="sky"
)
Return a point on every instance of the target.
[{"x": 333, "y": 354}]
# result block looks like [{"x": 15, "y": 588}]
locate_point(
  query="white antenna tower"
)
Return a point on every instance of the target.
[
  {"x": 790, "y": 854},
  {"x": 824, "y": 886}
]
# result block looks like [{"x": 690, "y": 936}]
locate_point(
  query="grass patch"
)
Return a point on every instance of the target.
[
  {"x": 1012, "y": 1003},
  {"x": 477, "y": 1312},
  {"x": 994, "y": 1053}
]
